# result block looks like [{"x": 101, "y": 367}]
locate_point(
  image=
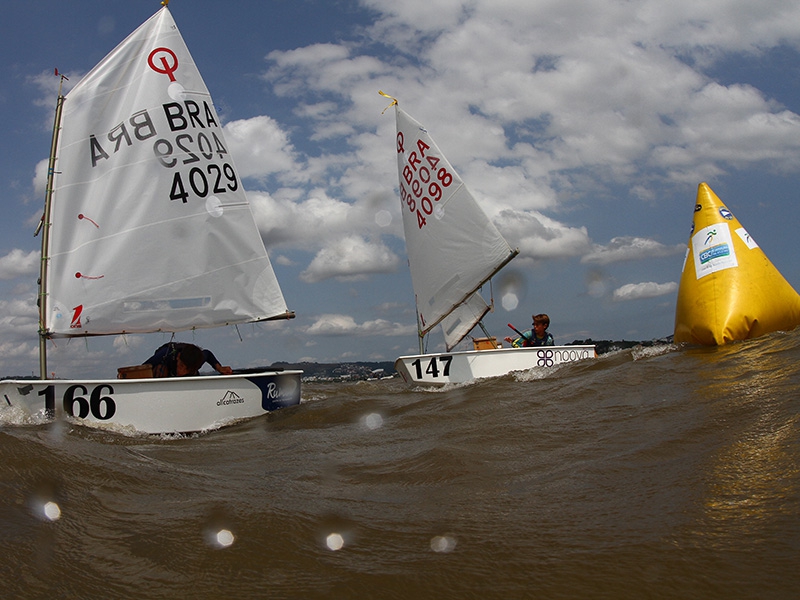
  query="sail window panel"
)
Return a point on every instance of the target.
[
  {"x": 166, "y": 305},
  {"x": 463, "y": 319}
]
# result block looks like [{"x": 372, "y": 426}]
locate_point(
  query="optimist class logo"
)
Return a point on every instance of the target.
[{"x": 162, "y": 56}]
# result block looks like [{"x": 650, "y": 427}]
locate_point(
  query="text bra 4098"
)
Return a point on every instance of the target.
[{"x": 424, "y": 179}]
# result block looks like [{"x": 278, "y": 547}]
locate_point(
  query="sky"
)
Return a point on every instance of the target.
[{"x": 583, "y": 128}]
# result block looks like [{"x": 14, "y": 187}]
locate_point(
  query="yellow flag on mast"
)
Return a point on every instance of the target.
[{"x": 729, "y": 289}]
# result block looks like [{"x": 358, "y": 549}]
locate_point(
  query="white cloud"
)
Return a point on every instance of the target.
[
  {"x": 17, "y": 263},
  {"x": 260, "y": 146},
  {"x": 18, "y": 325},
  {"x": 536, "y": 104},
  {"x": 539, "y": 237},
  {"x": 40, "y": 177},
  {"x": 12, "y": 351},
  {"x": 344, "y": 235},
  {"x": 348, "y": 258},
  {"x": 313, "y": 221},
  {"x": 637, "y": 291},
  {"x": 283, "y": 261},
  {"x": 128, "y": 345},
  {"x": 629, "y": 248},
  {"x": 345, "y": 325},
  {"x": 550, "y": 87}
]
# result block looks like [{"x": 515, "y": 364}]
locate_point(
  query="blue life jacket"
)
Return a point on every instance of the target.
[{"x": 528, "y": 339}]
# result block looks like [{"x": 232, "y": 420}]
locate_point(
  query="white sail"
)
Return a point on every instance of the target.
[
  {"x": 452, "y": 246},
  {"x": 460, "y": 322},
  {"x": 150, "y": 227}
]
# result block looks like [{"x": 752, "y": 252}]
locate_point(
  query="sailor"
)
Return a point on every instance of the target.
[
  {"x": 538, "y": 336},
  {"x": 178, "y": 359}
]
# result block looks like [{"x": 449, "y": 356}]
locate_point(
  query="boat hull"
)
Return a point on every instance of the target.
[
  {"x": 157, "y": 406},
  {"x": 460, "y": 367}
]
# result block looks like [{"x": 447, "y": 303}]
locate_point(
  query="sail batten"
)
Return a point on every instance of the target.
[{"x": 151, "y": 229}]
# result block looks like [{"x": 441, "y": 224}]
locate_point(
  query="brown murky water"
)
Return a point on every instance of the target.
[{"x": 652, "y": 473}]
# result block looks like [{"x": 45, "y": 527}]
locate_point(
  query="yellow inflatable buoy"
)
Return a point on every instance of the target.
[{"x": 729, "y": 289}]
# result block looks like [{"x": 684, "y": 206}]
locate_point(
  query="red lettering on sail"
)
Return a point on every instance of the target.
[
  {"x": 425, "y": 184},
  {"x": 165, "y": 67},
  {"x": 76, "y": 317}
]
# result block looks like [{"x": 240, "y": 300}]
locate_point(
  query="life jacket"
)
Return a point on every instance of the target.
[{"x": 528, "y": 339}]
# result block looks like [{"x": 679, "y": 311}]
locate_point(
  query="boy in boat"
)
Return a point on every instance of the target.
[
  {"x": 538, "y": 336},
  {"x": 178, "y": 359}
]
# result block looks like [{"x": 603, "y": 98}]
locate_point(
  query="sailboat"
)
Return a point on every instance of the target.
[
  {"x": 454, "y": 249},
  {"x": 146, "y": 228}
]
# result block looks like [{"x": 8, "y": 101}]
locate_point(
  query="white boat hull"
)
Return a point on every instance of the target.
[
  {"x": 460, "y": 367},
  {"x": 169, "y": 405}
]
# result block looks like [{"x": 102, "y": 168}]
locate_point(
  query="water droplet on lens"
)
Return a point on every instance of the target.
[
  {"x": 510, "y": 301},
  {"x": 443, "y": 543},
  {"x": 334, "y": 541},
  {"x": 176, "y": 91},
  {"x": 225, "y": 538},
  {"x": 373, "y": 421},
  {"x": 214, "y": 206},
  {"x": 383, "y": 218},
  {"x": 52, "y": 511}
]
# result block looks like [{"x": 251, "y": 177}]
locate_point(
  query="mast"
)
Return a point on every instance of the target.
[{"x": 44, "y": 225}]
